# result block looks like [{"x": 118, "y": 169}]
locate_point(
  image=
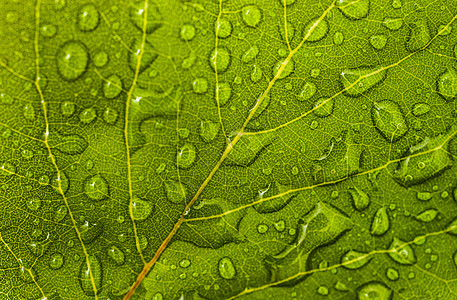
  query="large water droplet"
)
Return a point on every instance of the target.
[
  {"x": 374, "y": 291},
  {"x": 186, "y": 156},
  {"x": 68, "y": 144},
  {"x": 200, "y": 85},
  {"x": 358, "y": 81},
  {"x": 219, "y": 59},
  {"x": 96, "y": 187},
  {"x": 420, "y": 109},
  {"x": 187, "y": 32},
  {"x": 392, "y": 24},
  {"x": 308, "y": 91},
  {"x": 137, "y": 16},
  {"x": 60, "y": 213},
  {"x": 354, "y": 9},
  {"x": 251, "y": 15},
  {"x": 223, "y": 92},
  {"x": 250, "y": 54},
  {"x": 176, "y": 192},
  {"x": 90, "y": 276},
  {"x": 88, "y": 17},
  {"x": 67, "y": 108},
  {"x": 60, "y": 182},
  {"x": 360, "y": 198},
  {"x": 116, "y": 254},
  {"x": 72, "y": 60},
  {"x": 90, "y": 231},
  {"x": 315, "y": 30},
  {"x": 419, "y": 35},
  {"x": 226, "y": 268},
  {"x": 283, "y": 68},
  {"x": 87, "y": 115},
  {"x": 447, "y": 83},
  {"x": 427, "y": 215},
  {"x": 402, "y": 252},
  {"x": 355, "y": 260},
  {"x": 389, "y": 120},
  {"x": 223, "y": 28},
  {"x": 110, "y": 115},
  {"x": 56, "y": 261},
  {"x": 380, "y": 223},
  {"x": 141, "y": 209},
  {"x": 378, "y": 41},
  {"x": 323, "y": 107},
  {"x": 100, "y": 59},
  {"x": 113, "y": 87},
  {"x": 148, "y": 55},
  {"x": 209, "y": 130}
]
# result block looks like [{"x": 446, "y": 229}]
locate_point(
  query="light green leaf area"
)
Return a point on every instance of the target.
[{"x": 190, "y": 149}]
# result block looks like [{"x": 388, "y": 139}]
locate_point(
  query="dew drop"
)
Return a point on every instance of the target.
[
  {"x": 176, "y": 192},
  {"x": 354, "y": 9},
  {"x": 374, "y": 291},
  {"x": 34, "y": 204},
  {"x": 251, "y": 15},
  {"x": 447, "y": 83},
  {"x": 110, "y": 115},
  {"x": 389, "y": 120},
  {"x": 392, "y": 24},
  {"x": 360, "y": 80},
  {"x": 323, "y": 107},
  {"x": 100, "y": 59},
  {"x": 48, "y": 30},
  {"x": 116, "y": 255},
  {"x": 186, "y": 156},
  {"x": 427, "y": 215},
  {"x": 88, "y": 17},
  {"x": 137, "y": 16},
  {"x": 90, "y": 275},
  {"x": 360, "y": 198},
  {"x": 67, "y": 108},
  {"x": 338, "y": 38},
  {"x": 308, "y": 91},
  {"x": 87, "y": 115},
  {"x": 141, "y": 209},
  {"x": 72, "y": 60},
  {"x": 419, "y": 35},
  {"x": 220, "y": 59},
  {"x": 402, "y": 252},
  {"x": 262, "y": 228},
  {"x": 60, "y": 213},
  {"x": 420, "y": 109},
  {"x": 96, "y": 187},
  {"x": 209, "y": 130},
  {"x": 7, "y": 169},
  {"x": 380, "y": 223},
  {"x": 283, "y": 68},
  {"x": 29, "y": 112},
  {"x": 223, "y": 92},
  {"x": 56, "y": 261},
  {"x": 315, "y": 30},
  {"x": 223, "y": 28},
  {"x": 200, "y": 85},
  {"x": 185, "y": 263},
  {"x": 226, "y": 268},
  {"x": 250, "y": 54},
  {"x": 187, "y": 32},
  {"x": 113, "y": 87},
  {"x": 354, "y": 260},
  {"x": 378, "y": 41}
]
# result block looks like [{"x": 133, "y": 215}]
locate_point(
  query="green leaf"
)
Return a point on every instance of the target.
[{"x": 220, "y": 149}]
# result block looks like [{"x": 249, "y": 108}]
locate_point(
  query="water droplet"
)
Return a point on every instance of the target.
[
  {"x": 378, "y": 41},
  {"x": 427, "y": 215},
  {"x": 374, "y": 291},
  {"x": 59, "y": 4},
  {"x": 187, "y": 32},
  {"x": 223, "y": 92},
  {"x": 100, "y": 59},
  {"x": 149, "y": 54},
  {"x": 87, "y": 115},
  {"x": 392, "y": 24},
  {"x": 339, "y": 286},
  {"x": 141, "y": 209},
  {"x": 315, "y": 30},
  {"x": 143, "y": 241},
  {"x": 29, "y": 112},
  {"x": 226, "y": 268},
  {"x": 176, "y": 192},
  {"x": 90, "y": 275},
  {"x": 90, "y": 231},
  {"x": 419, "y": 35},
  {"x": 355, "y": 260},
  {"x": 12, "y": 17},
  {"x": 338, "y": 38},
  {"x": 88, "y": 17},
  {"x": 113, "y": 87},
  {"x": 186, "y": 156},
  {"x": 251, "y": 15},
  {"x": 250, "y": 54},
  {"x": 137, "y": 16},
  {"x": 420, "y": 109},
  {"x": 447, "y": 83},
  {"x": 452, "y": 227},
  {"x": 323, "y": 107},
  {"x": 322, "y": 290},
  {"x": 209, "y": 130},
  {"x": 257, "y": 73},
  {"x": 96, "y": 187},
  {"x": 360, "y": 198},
  {"x": 116, "y": 254},
  {"x": 424, "y": 196},
  {"x": 280, "y": 225},
  {"x": 402, "y": 252},
  {"x": 360, "y": 80},
  {"x": 219, "y": 59},
  {"x": 354, "y": 9},
  {"x": 34, "y": 204},
  {"x": 262, "y": 228},
  {"x": 56, "y": 261},
  {"x": 110, "y": 115},
  {"x": 308, "y": 91},
  {"x": 48, "y": 30},
  {"x": 396, "y": 4},
  {"x": 283, "y": 68},
  {"x": 7, "y": 169},
  {"x": 223, "y": 28},
  {"x": 200, "y": 85},
  {"x": 72, "y": 60},
  {"x": 248, "y": 147},
  {"x": 60, "y": 213},
  {"x": 67, "y": 108},
  {"x": 389, "y": 120},
  {"x": 184, "y": 263},
  {"x": 380, "y": 223}
]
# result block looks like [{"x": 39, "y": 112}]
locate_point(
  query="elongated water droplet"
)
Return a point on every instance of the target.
[
  {"x": 226, "y": 268},
  {"x": 374, "y": 291},
  {"x": 354, "y": 9},
  {"x": 420, "y": 109},
  {"x": 427, "y": 215},
  {"x": 338, "y": 38},
  {"x": 315, "y": 30},
  {"x": 402, "y": 252},
  {"x": 360, "y": 80},
  {"x": 378, "y": 41},
  {"x": 186, "y": 156},
  {"x": 116, "y": 254},
  {"x": 308, "y": 91},
  {"x": 90, "y": 231},
  {"x": 360, "y": 198},
  {"x": 389, "y": 120},
  {"x": 250, "y": 54},
  {"x": 355, "y": 260},
  {"x": 323, "y": 107},
  {"x": 380, "y": 223},
  {"x": 223, "y": 28},
  {"x": 447, "y": 83},
  {"x": 392, "y": 24},
  {"x": 176, "y": 192},
  {"x": 419, "y": 35},
  {"x": 141, "y": 209},
  {"x": 90, "y": 275},
  {"x": 138, "y": 12}
]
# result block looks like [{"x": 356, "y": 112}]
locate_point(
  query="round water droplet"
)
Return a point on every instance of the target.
[
  {"x": 392, "y": 274},
  {"x": 110, "y": 115},
  {"x": 226, "y": 268},
  {"x": 219, "y": 59},
  {"x": 67, "y": 108},
  {"x": 402, "y": 252},
  {"x": 101, "y": 59},
  {"x": 88, "y": 17},
  {"x": 90, "y": 276},
  {"x": 60, "y": 213},
  {"x": 251, "y": 15},
  {"x": 262, "y": 228},
  {"x": 176, "y": 192},
  {"x": 200, "y": 85},
  {"x": 315, "y": 30},
  {"x": 354, "y": 9},
  {"x": 283, "y": 68},
  {"x": 187, "y": 32},
  {"x": 186, "y": 156},
  {"x": 184, "y": 263},
  {"x": 338, "y": 38},
  {"x": 34, "y": 204},
  {"x": 141, "y": 209},
  {"x": 419, "y": 35},
  {"x": 29, "y": 112},
  {"x": 56, "y": 261},
  {"x": 280, "y": 225},
  {"x": 113, "y": 87},
  {"x": 223, "y": 28},
  {"x": 424, "y": 196},
  {"x": 87, "y": 115},
  {"x": 323, "y": 107},
  {"x": 378, "y": 41},
  {"x": 250, "y": 54},
  {"x": 447, "y": 83},
  {"x": 72, "y": 60},
  {"x": 137, "y": 16},
  {"x": 96, "y": 187},
  {"x": 116, "y": 254},
  {"x": 209, "y": 130},
  {"x": 322, "y": 290},
  {"x": 48, "y": 30},
  {"x": 374, "y": 291}
]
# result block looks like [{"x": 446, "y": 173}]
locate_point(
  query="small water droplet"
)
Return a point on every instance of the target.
[
  {"x": 88, "y": 17},
  {"x": 200, "y": 85},
  {"x": 56, "y": 261},
  {"x": 72, "y": 60},
  {"x": 187, "y": 32},
  {"x": 226, "y": 268},
  {"x": 251, "y": 15},
  {"x": 96, "y": 187}
]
